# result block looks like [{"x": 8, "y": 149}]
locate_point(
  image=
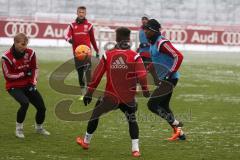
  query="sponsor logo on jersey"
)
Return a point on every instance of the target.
[{"x": 119, "y": 64}]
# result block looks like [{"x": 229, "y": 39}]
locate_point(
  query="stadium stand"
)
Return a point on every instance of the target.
[{"x": 217, "y": 12}]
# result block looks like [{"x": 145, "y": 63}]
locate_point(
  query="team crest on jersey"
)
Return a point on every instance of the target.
[
  {"x": 26, "y": 56},
  {"x": 85, "y": 28}
]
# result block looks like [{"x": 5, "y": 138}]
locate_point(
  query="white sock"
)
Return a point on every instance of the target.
[
  {"x": 181, "y": 132},
  {"x": 87, "y": 138},
  {"x": 19, "y": 125},
  {"x": 175, "y": 123},
  {"x": 38, "y": 126},
  {"x": 135, "y": 146},
  {"x": 83, "y": 90}
]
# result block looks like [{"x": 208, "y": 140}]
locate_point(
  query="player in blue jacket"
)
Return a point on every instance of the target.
[{"x": 166, "y": 60}]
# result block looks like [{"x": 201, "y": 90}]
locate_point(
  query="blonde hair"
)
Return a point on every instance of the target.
[{"x": 20, "y": 36}]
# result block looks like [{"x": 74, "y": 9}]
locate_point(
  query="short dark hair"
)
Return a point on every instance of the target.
[
  {"x": 82, "y": 7},
  {"x": 123, "y": 34}
]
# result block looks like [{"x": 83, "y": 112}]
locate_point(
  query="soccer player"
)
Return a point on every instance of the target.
[
  {"x": 20, "y": 72},
  {"x": 124, "y": 68},
  {"x": 166, "y": 62},
  {"x": 80, "y": 32},
  {"x": 144, "y": 45},
  {"x": 144, "y": 48}
]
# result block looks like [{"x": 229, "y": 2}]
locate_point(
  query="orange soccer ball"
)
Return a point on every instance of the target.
[{"x": 82, "y": 52}]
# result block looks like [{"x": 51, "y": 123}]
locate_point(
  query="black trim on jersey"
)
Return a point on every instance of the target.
[{"x": 6, "y": 59}]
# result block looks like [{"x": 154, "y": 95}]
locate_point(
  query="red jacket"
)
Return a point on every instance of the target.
[
  {"x": 81, "y": 34},
  {"x": 124, "y": 68},
  {"x": 14, "y": 70}
]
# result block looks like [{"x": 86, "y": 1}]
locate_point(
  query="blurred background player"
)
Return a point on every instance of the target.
[
  {"x": 166, "y": 61},
  {"x": 20, "y": 72},
  {"x": 144, "y": 48},
  {"x": 144, "y": 45},
  {"x": 81, "y": 32},
  {"x": 119, "y": 92}
]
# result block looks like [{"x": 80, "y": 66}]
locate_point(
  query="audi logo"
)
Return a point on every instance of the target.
[
  {"x": 231, "y": 38},
  {"x": 175, "y": 35},
  {"x": 30, "y": 29}
]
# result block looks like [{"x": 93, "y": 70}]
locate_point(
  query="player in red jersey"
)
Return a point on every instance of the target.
[
  {"x": 124, "y": 68},
  {"x": 20, "y": 72},
  {"x": 80, "y": 32}
]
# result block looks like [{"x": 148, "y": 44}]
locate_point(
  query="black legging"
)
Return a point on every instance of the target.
[
  {"x": 23, "y": 96},
  {"x": 159, "y": 101},
  {"x": 104, "y": 106},
  {"x": 81, "y": 77},
  {"x": 81, "y": 67}
]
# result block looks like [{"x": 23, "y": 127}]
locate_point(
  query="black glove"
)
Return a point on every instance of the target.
[
  {"x": 28, "y": 73},
  {"x": 169, "y": 75},
  {"x": 70, "y": 41},
  {"x": 97, "y": 55},
  {"x": 87, "y": 98},
  {"x": 146, "y": 93},
  {"x": 144, "y": 45}
]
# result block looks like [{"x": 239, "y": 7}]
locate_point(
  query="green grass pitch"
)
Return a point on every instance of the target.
[{"x": 206, "y": 99}]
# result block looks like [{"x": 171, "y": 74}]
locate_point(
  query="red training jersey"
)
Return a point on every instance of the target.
[
  {"x": 124, "y": 68},
  {"x": 14, "y": 70},
  {"x": 82, "y": 33}
]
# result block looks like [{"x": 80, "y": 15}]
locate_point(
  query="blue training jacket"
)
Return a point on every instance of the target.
[
  {"x": 143, "y": 40},
  {"x": 162, "y": 62}
]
